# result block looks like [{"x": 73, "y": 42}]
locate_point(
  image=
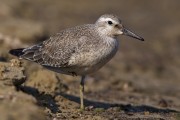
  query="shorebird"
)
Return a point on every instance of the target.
[{"x": 79, "y": 50}]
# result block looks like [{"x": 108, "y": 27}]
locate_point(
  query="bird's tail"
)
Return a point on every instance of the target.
[
  {"x": 27, "y": 53},
  {"x": 17, "y": 52}
]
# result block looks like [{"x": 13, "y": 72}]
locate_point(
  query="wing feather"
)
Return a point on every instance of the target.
[{"x": 58, "y": 49}]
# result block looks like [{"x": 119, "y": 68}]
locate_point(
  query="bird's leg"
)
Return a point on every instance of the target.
[{"x": 82, "y": 92}]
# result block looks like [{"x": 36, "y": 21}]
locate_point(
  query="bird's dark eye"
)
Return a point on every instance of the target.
[{"x": 110, "y": 22}]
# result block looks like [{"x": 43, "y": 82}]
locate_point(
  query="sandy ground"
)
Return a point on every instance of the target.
[{"x": 140, "y": 83}]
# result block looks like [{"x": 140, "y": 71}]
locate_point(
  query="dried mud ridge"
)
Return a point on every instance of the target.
[{"x": 41, "y": 101}]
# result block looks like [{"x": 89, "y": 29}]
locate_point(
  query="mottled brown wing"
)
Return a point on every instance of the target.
[
  {"x": 55, "y": 52},
  {"x": 58, "y": 50}
]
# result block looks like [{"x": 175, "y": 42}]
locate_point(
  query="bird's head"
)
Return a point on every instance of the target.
[{"x": 111, "y": 26}]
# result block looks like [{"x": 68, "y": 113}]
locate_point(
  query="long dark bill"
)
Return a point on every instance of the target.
[{"x": 131, "y": 34}]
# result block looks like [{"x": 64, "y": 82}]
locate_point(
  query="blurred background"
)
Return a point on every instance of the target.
[{"x": 140, "y": 73}]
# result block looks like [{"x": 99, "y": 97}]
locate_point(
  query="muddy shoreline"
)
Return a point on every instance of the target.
[{"x": 140, "y": 83}]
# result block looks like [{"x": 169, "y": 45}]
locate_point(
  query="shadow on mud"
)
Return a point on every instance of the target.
[
  {"x": 127, "y": 108},
  {"x": 47, "y": 100},
  {"x": 43, "y": 100}
]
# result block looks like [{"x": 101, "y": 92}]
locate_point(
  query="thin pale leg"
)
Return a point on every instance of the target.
[{"x": 82, "y": 92}]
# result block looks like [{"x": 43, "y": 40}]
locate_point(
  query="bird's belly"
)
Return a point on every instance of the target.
[
  {"x": 95, "y": 61},
  {"x": 72, "y": 70}
]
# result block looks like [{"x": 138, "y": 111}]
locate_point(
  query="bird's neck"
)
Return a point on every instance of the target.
[{"x": 109, "y": 40}]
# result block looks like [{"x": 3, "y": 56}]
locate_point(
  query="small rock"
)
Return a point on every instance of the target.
[
  {"x": 146, "y": 113},
  {"x": 117, "y": 109},
  {"x": 127, "y": 87},
  {"x": 163, "y": 103},
  {"x": 15, "y": 63},
  {"x": 88, "y": 108}
]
